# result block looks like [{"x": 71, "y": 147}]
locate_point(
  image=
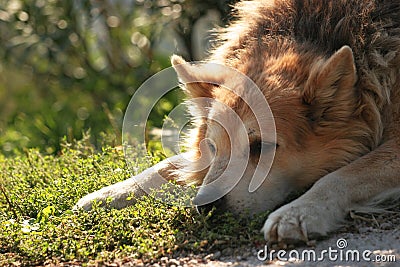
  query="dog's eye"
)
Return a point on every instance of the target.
[
  {"x": 257, "y": 147},
  {"x": 267, "y": 146},
  {"x": 211, "y": 146}
]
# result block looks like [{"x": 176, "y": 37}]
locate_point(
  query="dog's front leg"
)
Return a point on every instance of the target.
[
  {"x": 322, "y": 208},
  {"x": 118, "y": 194}
]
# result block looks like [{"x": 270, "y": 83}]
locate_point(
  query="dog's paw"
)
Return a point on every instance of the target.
[
  {"x": 300, "y": 222},
  {"x": 119, "y": 195},
  {"x": 86, "y": 202}
]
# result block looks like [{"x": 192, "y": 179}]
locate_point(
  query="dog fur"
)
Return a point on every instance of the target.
[{"x": 330, "y": 73}]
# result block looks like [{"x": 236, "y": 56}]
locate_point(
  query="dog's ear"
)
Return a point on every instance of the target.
[
  {"x": 198, "y": 79},
  {"x": 329, "y": 90}
]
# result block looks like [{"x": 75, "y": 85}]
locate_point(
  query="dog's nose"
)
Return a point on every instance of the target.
[{"x": 205, "y": 209}]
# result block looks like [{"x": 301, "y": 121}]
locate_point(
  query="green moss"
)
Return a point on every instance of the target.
[{"x": 37, "y": 224}]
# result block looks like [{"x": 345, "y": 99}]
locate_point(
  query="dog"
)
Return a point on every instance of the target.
[{"x": 329, "y": 71}]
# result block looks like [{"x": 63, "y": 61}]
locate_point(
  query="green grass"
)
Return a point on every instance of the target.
[{"x": 37, "y": 225}]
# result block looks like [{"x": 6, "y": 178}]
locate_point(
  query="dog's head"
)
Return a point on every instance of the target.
[{"x": 314, "y": 104}]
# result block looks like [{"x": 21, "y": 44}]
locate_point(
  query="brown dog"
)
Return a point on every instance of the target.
[{"x": 330, "y": 73}]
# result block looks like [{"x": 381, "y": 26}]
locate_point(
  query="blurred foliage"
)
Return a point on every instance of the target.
[{"x": 68, "y": 66}]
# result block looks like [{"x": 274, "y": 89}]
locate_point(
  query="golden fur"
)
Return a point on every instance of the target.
[{"x": 281, "y": 45}]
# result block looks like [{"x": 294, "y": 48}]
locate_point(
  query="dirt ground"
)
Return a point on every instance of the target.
[{"x": 367, "y": 241}]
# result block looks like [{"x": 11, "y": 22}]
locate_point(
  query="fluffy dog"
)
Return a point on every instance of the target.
[{"x": 330, "y": 73}]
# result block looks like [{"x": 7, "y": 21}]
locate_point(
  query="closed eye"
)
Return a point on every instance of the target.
[
  {"x": 257, "y": 147},
  {"x": 211, "y": 146}
]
